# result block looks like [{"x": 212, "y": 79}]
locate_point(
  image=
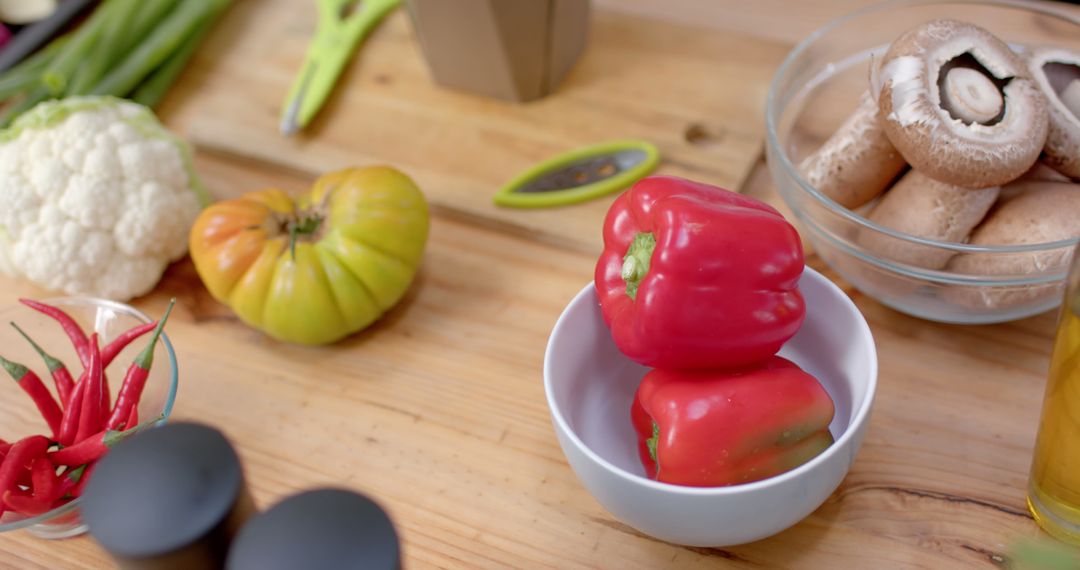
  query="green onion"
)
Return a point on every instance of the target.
[
  {"x": 110, "y": 47},
  {"x": 28, "y": 72},
  {"x": 155, "y": 49},
  {"x": 65, "y": 63},
  {"x": 153, "y": 90}
]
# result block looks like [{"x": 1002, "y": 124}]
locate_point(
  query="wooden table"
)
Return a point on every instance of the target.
[{"x": 439, "y": 411}]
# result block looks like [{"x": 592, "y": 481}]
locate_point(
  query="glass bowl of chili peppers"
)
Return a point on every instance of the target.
[
  {"x": 61, "y": 354},
  {"x": 821, "y": 92}
]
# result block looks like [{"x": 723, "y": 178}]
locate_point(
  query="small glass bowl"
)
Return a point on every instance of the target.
[
  {"x": 18, "y": 416},
  {"x": 818, "y": 86}
]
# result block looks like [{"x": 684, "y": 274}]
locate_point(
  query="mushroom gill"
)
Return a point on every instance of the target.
[
  {"x": 1064, "y": 79},
  {"x": 970, "y": 93}
]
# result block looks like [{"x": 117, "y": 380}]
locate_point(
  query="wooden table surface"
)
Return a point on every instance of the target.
[{"x": 438, "y": 410}]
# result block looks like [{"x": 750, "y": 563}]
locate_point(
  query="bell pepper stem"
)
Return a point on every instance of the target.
[
  {"x": 636, "y": 262},
  {"x": 651, "y": 442}
]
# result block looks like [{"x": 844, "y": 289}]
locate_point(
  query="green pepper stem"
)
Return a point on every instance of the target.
[
  {"x": 636, "y": 262},
  {"x": 652, "y": 441},
  {"x": 51, "y": 362},
  {"x": 16, "y": 370},
  {"x": 145, "y": 359}
]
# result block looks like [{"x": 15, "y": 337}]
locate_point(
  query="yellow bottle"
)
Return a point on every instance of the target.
[{"x": 1054, "y": 487}]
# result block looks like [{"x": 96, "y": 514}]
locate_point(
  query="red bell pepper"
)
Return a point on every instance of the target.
[
  {"x": 711, "y": 428},
  {"x": 695, "y": 276}
]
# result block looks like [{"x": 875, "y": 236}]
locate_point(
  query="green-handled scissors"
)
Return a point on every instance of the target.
[{"x": 342, "y": 25}]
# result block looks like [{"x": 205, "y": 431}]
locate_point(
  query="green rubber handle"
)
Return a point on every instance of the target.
[{"x": 509, "y": 196}]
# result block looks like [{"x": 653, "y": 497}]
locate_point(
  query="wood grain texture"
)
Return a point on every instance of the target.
[
  {"x": 439, "y": 411},
  {"x": 637, "y": 79}
]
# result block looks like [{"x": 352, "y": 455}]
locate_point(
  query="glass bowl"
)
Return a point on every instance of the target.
[
  {"x": 818, "y": 86},
  {"x": 19, "y": 417}
]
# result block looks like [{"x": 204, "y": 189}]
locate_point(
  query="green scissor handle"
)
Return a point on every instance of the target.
[{"x": 336, "y": 37}]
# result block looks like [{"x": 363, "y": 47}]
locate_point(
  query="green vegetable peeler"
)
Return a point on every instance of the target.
[
  {"x": 342, "y": 25},
  {"x": 580, "y": 175}
]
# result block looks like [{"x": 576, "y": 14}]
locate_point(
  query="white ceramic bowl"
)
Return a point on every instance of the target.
[{"x": 590, "y": 386}]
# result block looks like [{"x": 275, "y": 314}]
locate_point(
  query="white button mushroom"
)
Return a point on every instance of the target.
[
  {"x": 1057, "y": 73},
  {"x": 940, "y": 84},
  {"x": 857, "y": 162}
]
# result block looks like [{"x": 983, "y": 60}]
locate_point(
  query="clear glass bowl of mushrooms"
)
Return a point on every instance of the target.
[{"x": 930, "y": 152}]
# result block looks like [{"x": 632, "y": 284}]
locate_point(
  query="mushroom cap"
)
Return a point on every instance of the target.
[
  {"x": 1063, "y": 139},
  {"x": 972, "y": 155}
]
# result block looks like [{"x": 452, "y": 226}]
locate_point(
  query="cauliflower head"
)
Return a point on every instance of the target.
[{"x": 96, "y": 197}]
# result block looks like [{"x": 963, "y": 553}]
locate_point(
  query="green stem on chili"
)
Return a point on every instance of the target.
[{"x": 60, "y": 375}]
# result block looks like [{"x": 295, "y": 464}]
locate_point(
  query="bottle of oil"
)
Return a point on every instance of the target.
[{"x": 1054, "y": 487}]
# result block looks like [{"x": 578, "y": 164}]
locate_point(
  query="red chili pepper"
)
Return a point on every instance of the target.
[
  {"x": 61, "y": 376},
  {"x": 106, "y": 392},
  {"x": 77, "y": 490},
  {"x": 119, "y": 343},
  {"x": 90, "y": 416},
  {"x": 710, "y": 428},
  {"x": 87, "y": 450},
  {"x": 45, "y": 483},
  {"x": 131, "y": 390},
  {"x": 25, "y": 504},
  {"x": 69, "y": 424},
  {"x": 31, "y": 384},
  {"x": 19, "y": 459},
  {"x": 133, "y": 419},
  {"x": 694, "y": 276},
  {"x": 71, "y": 328}
]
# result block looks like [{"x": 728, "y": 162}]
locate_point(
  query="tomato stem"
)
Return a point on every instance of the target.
[{"x": 306, "y": 224}]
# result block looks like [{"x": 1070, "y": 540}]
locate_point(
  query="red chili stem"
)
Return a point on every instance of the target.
[
  {"x": 31, "y": 384},
  {"x": 69, "y": 425},
  {"x": 127, "y": 399},
  {"x": 119, "y": 343},
  {"x": 87, "y": 450},
  {"x": 90, "y": 416},
  {"x": 71, "y": 328},
  {"x": 61, "y": 376},
  {"x": 22, "y": 454}
]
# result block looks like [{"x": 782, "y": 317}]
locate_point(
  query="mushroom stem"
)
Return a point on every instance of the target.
[
  {"x": 971, "y": 96},
  {"x": 1070, "y": 97}
]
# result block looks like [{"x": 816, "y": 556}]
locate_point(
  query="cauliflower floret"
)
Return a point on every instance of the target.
[
  {"x": 20, "y": 205},
  {"x": 154, "y": 209},
  {"x": 96, "y": 197}
]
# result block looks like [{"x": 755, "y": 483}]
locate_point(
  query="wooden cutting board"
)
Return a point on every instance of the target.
[{"x": 682, "y": 88}]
